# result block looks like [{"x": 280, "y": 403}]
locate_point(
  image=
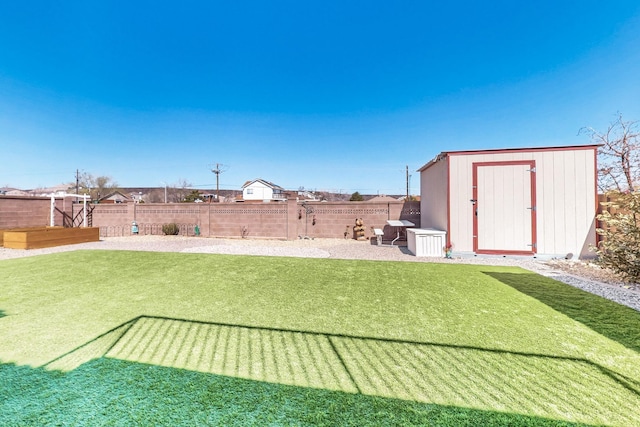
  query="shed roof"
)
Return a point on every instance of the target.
[{"x": 446, "y": 154}]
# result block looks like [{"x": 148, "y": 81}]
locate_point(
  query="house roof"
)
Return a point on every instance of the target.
[
  {"x": 382, "y": 199},
  {"x": 446, "y": 154},
  {"x": 8, "y": 191},
  {"x": 116, "y": 195},
  {"x": 267, "y": 183}
]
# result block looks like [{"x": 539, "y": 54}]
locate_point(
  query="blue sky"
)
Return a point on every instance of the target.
[{"x": 326, "y": 95}]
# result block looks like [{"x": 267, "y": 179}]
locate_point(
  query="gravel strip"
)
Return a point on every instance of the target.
[
  {"x": 628, "y": 297},
  {"x": 345, "y": 249}
]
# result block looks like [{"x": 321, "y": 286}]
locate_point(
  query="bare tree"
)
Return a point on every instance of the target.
[
  {"x": 98, "y": 186},
  {"x": 619, "y": 156},
  {"x": 155, "y": 196},
  {"x": 180, "y": 190}
]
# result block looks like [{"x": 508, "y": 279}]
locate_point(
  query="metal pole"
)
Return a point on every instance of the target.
[{"x": 53, "y": 207}]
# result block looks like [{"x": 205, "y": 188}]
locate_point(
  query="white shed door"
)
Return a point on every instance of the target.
[{"x": 504, "y": 207}]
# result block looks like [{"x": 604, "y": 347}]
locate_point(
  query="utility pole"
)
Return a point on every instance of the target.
[
  {"x": 218, "y": 170},
  {"x": 407, "y": 171},
  {"x": 77, "y": 184}
]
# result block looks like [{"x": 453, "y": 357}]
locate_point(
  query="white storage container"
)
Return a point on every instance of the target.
[{"x": 426, "y": 241}]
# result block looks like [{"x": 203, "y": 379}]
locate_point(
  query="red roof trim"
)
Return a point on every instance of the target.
[
  {"x": 511, "y": 150},
  {"x": 508, "y": 150}
]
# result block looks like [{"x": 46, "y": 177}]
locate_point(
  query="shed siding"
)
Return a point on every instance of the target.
[
  {"x": 567, "y": 202},
  {"x": 565, "y": 194},
  {"x": 461, "y": 208},
  {"x": 433, "y": 196}
]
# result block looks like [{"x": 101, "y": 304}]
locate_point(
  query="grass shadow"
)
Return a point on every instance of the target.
[
  {"x": 417, "y": 372},
  {"x": 92, "y": 349},
  {"x": 2, "y": 314},
  {"x": 109, "y": 391},
  {"x": 614, "y": 321}
]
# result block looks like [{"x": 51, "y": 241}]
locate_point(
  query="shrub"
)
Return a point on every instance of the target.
[
  {"x": 171, "y": 229},
  {"x": 620, "y": 248},
  {"x": 356, "y": 197}
]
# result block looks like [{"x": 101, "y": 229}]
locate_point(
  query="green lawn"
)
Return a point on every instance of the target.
[{"x": 135, "y": 338}]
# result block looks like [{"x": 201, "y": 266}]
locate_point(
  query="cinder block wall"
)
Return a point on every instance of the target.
[
  {"x": 22, "y": 212},
  {"x": 277, "y": 220},
  {"x": 335, "y": 219},
  {"x": 252, "y": 220}
]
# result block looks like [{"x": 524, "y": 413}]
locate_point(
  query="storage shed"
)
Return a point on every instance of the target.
[{"x": 538, "y": 202}]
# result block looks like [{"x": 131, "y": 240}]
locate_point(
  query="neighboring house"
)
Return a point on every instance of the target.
[
  {"x": 6, "y": 191},
  {"x": 412, "y": 198},
  {"x": 48, "y": 191},
  {"x": 259, "y": 189},
  {"x": 115, "y": 197},
  {"x": 538, "y": 202},
  {"x": 309, "y": 196},
  {"x": 382, "y": 199}
]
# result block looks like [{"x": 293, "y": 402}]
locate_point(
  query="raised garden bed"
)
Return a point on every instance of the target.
[
  {"x": 2, "y": 231},
  {"x": 46, "y": 237}
]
